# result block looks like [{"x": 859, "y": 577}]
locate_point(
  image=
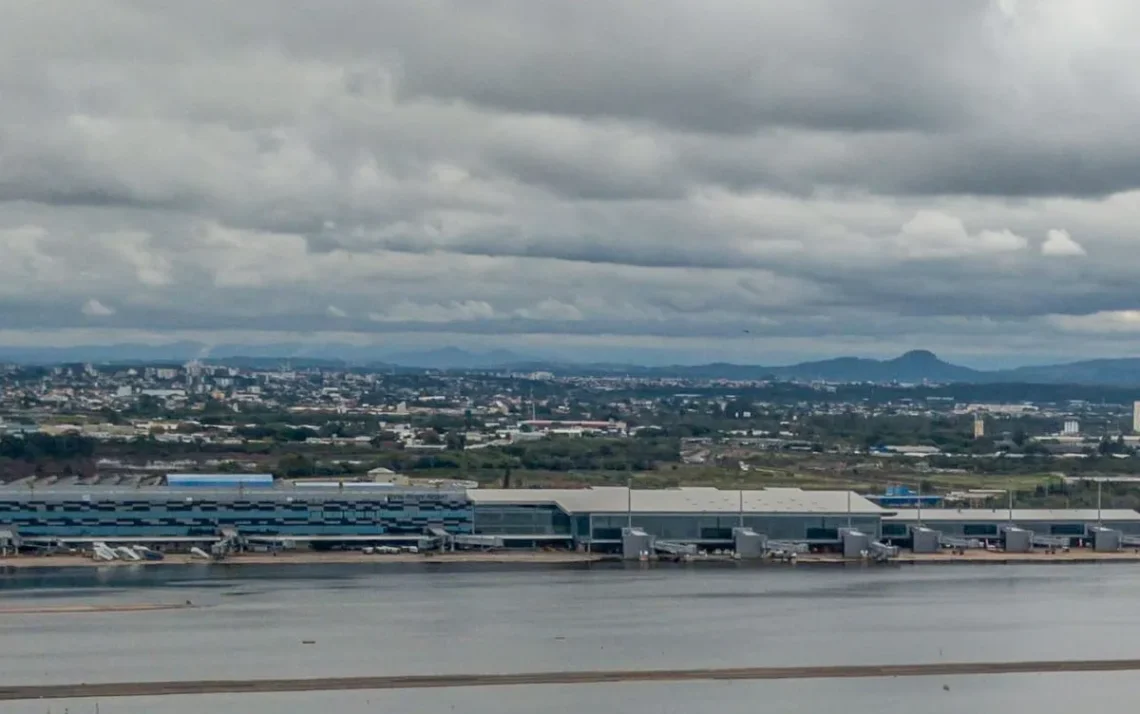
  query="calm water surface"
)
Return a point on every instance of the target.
[{"x": 430, "y": 619}]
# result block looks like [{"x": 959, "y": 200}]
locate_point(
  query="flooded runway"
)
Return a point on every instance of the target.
[
  {"x": 152, "y": 689},
  {"x": 570, "y": 633}
]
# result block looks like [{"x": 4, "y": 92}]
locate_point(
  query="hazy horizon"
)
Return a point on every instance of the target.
[{"x": 502, "y": 354}]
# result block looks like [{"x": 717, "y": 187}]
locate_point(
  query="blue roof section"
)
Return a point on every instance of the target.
[
  {"x": 215, "y": 480},
  {"x": 899, "y": 491},
  {"x": 905, "y": 501},
  {"x": 899, "y": 496}
]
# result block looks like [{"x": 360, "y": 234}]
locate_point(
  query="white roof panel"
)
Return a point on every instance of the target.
[
  {"x": 910, "y": 515},
  {"x": 617, "y": 499}
]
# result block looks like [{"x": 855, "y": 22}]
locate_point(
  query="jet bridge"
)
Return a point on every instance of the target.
[
  {"x": 9, "y": 539},
  {"x": 479, "y": 541},
  {"x": 674, "y": 548},
  {"x": 230, "y": 541},
  {"x": 440, "y": 537},
  {"x": 963, "y": 543},
  {"x": 1046, "y": 541},
  {"x": 787, "y": 546},
  {"x": 785, "y": 550},
  {"x": 879, "y": 550}
]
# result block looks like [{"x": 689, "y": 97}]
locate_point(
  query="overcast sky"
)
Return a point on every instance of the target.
[{"x": 744, "y": 180}]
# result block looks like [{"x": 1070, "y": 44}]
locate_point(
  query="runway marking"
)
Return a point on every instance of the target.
[{"x": 250, "y": 686}]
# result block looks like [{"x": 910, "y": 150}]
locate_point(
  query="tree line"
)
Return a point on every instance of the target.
[
  {"x": 550, "y": 454},
  {"x": 32, "y": 447}
]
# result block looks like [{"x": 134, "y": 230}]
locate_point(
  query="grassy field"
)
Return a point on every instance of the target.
[{"x": 728, "y": 478}]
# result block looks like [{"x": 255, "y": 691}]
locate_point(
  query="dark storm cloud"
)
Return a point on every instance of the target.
[
  {"x": 724, "y": 67},
  {"x": 1015, "y": 164},
  {"x": 881, "y": 168}
]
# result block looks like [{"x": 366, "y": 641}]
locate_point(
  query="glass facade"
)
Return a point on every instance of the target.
[
  {"x": 992, "y": 529},
  {"x": 978, "y": 530},
  {"x": 253, "y": 514},
  {"x": 713, "y": 527},
  {"x": 193, "y": 513},
  {"x": 521, "y": 519},
  {"x": 1068, "y": 529},
  {"x": 895, "y": 530}
]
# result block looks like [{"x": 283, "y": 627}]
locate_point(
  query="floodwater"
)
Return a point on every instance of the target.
[{"x": 253, "y": 622}]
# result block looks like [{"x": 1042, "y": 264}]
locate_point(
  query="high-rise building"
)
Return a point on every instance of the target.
[
  {"x": 1136, "y": 417},
  {"x": 1072, "y": 427},
  {"x": 979, "y": 426}
]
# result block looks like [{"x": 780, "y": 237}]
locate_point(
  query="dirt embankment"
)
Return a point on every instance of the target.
[
  {"x": 72, "y": 609},
  {"x": 138, "y": 689}
]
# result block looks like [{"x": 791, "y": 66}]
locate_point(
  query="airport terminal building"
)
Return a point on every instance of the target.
[
  {"x": 1068, "y": 525},
  {"x": 595, "y": 517},
  {"x": 200, "y": 509},
  {"x": 199, "y": 514}
]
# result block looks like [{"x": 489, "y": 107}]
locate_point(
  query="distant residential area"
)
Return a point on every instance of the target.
[{"x": 89, "y": 423}]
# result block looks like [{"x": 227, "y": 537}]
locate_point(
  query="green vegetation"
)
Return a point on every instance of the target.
[
  {"x": 702, "y": 432},
  {"x": 35, "y": 447},
  {"x": 551, "y": 454}
]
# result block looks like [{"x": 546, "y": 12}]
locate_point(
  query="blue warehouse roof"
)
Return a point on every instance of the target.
[{"x": 262, "y": 480}]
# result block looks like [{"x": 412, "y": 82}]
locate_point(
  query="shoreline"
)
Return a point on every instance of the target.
[
  {"x": 555, "y": 558},
  {"x": 308, "y": 558},
  {"x": 985, "y": 557}
]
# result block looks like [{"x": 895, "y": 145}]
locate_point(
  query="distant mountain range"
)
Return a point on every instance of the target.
[
  {"x": 912, "y": 367},
  {"x": 915, "y": 367}
]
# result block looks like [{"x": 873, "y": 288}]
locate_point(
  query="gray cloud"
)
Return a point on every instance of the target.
[{"x": 905, "y": 174}]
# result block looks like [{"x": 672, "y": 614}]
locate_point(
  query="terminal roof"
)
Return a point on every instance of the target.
[
  {"x": 618, "y": 499},
  {"x": 991, "y": 515}
]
